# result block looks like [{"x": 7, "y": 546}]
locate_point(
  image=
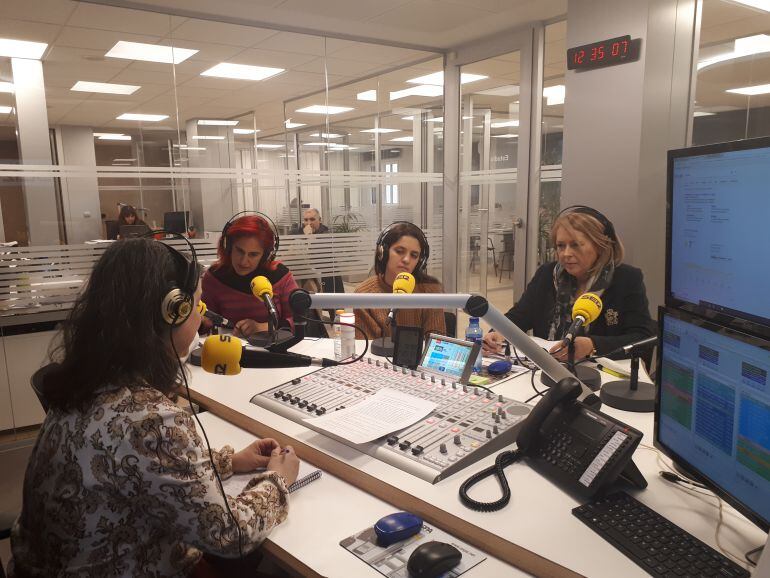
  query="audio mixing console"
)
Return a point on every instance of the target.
[{"x": 467, "y": 424}]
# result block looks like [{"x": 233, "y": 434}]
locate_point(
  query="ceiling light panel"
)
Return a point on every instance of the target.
[
  {"x": 429, "y": 90},
  {"x": 100, "y": 134},
  {"x": 437, "y": 78},
  {"x": 115, "y": 137},
  {"x": 504, "y": 123},
  {"x": 269, "y": 146},
  {"x": 142, "y": 117},
  {"x": 245, "y": 130},
  {"x": 740, "y": 47},
  {"x": 149, "y": 52},
  {"x": 289, "y": 124},
  {"x": 505, "y": 90},
  {"x": 21, "y": 48},
  {"x": 403, "y": 139},
  {"x": 6, "y": 87},
  {"x": 5, "y": 109},
  {"x": 218, "y": 123},
  {"x": 369, "y": 95},
  {"x": 759, "y": 4},
  {"x": 326, "y": 135},
  {"x": 554, "y": 94},
  {"x": 104, "y": 87},
  {"x": 381, "y": 130},
  {"x": 509, "y": 135},
  {"x": 206, "y": 137},
  {"x": 322, "y": 109},
  {"x": 241, "y": 71},
  {"x": 751, "y": 90}
]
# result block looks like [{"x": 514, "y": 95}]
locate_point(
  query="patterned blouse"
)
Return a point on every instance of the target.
[{"x": 126, "y": 488}]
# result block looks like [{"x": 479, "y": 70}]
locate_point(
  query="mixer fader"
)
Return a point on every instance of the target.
[{"x": 466, "y": 425}]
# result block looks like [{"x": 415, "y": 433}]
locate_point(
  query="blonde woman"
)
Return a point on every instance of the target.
[{"x": 589, "y": 258}]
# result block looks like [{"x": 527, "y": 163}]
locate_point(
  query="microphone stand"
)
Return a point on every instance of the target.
[
  {"x": 383, "y": 346},
  {"x": 629, "y": 394},
  {"x": 588, "y": 375}
]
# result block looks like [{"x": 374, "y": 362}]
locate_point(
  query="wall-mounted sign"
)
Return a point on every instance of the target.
[{"x": 605, "y": 53}]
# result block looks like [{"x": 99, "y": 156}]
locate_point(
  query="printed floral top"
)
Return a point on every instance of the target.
[{"x": 127, "y": 489}]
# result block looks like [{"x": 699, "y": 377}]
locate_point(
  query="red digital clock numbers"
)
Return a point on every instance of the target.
[{"x": 605, "y": 53}]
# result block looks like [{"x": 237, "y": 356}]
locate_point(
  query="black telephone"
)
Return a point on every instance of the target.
[
  {"x": 581, "y": 449},
  {"x": 578, "y": 447}
]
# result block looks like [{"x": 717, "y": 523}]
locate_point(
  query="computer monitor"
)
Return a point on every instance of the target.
[
  {"x": 717, "y": 230},
  {"x": 449, "y": 357},
  {"x": 176, "y": 221},
  {"x": 712, "y": 413}
]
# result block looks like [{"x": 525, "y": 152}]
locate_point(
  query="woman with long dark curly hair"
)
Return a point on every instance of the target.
[{"x": 119, "y": 483}]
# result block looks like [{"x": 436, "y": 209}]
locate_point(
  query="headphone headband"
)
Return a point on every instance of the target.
[
  {"x": 609, "y": 228},
  {"x": 271, "y": 225},
  {"x": 383, "y": 248}
]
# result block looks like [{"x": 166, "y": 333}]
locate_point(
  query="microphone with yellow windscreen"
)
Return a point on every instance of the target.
[
  {"x": 263, "y": 289},
  {"x": 404, "y": 283},
  {"x": 586, "y": 310},
  {"x": 221, "y": 354}
]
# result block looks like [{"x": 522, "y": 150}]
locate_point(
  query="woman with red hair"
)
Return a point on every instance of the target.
[{"x": 247, "y": 250}]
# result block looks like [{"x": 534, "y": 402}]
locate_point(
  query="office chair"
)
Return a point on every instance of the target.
[
  {"x": 37, "y": 380},
  {"x": 508, "y": 248}
]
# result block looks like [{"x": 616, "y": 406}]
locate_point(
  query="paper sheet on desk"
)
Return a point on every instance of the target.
[
  {"x": 386, "y": 411},
  {"x": 235, "y": 484}
]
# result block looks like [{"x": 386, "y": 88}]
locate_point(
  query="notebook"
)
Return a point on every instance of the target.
[{"x": 235, "y": 484}]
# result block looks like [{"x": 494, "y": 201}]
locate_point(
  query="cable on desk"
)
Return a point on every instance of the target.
[
  {"x": 502, "y": 460},
  {"x": 751, "y": 553},
  {"x": 354, "y": 326}
]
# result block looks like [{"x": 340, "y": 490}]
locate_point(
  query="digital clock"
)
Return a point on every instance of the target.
[{"x": 605, "y": 53}]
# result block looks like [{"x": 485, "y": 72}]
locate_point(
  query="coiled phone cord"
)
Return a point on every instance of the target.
[{"x": 503, "y": 460}]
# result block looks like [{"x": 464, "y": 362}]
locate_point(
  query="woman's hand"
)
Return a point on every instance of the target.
[
  {"x": 583, "y": 348},
  {"x": 247, "y": 327},
  {"x": 286, "y": 463},
  {"x": 492, "y": 343},
  {"x": 255, "y": 455}
]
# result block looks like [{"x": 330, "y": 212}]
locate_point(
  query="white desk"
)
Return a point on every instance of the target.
[{"x": 538, "y": 517}]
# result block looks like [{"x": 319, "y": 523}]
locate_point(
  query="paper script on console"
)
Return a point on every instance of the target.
[{"x": 386, "y": 411}]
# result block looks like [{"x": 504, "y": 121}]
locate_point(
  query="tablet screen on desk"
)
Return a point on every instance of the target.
[{"x": 449, "y": 357}]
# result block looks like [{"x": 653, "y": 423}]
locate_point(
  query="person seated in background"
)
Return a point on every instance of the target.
[
  {"x": 311, "y": 222},
  {"x": 589, "y": 259},
  {"x": 246, "y": 250},
  {"x": 129, "y": 216},
  {"x": 119, "y": 482},
  {"x": 401, "y": 248}
]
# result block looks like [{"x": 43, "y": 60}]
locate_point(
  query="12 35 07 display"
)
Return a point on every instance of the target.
[{"x": 605, "y": 53}]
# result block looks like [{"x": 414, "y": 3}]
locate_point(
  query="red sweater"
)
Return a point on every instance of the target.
[{"x": 236, "y": 305}]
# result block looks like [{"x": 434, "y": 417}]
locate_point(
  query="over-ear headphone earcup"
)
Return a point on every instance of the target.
[
  {"x": 380, "y": 252},
  {"x": 176, "y": 307}
]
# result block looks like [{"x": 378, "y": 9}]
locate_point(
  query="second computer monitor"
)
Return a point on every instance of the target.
[{"x": 712, "y": 415}]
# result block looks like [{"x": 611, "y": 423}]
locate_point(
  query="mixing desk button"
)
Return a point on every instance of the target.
[
  {"x": 452, "y": 458},
  {"x": 460, "y": 453},
  {"x": 498, "y": 404},
  {"x": 456, "y": 429},
  {"x": 474, "y": 444},
  {"x": 442, "y": 425},
  {"x": 430, "y": 421}
]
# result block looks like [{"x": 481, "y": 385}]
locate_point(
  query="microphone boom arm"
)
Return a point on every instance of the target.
[{"x": 474, "y": 305}]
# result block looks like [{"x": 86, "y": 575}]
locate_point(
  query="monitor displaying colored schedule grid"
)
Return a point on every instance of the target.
[
  {"x": 712, "y": 415},
  {"x": 452, "y": 358}
]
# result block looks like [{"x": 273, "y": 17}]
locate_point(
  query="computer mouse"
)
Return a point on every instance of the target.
[
  {"x": 432, "y": 559},
  {"x": 396, "y": 527},
  {"x": 499, "y": 367}
]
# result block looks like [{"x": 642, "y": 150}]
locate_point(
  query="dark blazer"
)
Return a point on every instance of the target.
[{"x": 625, "y": 316}]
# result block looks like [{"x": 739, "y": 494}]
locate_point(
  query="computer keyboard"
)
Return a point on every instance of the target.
[{"x": 661, "y": 548}]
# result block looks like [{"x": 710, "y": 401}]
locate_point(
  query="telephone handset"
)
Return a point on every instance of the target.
[{"x": 579, "y": 448}]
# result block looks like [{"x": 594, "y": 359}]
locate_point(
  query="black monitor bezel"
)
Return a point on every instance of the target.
[
  {"x": 691, "y": 470},
  {"x": 738, "y": 320}
]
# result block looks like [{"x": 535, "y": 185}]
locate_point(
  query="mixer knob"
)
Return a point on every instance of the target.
[
  {"x": 320, "y": 411},
  {"x": 404, "y": 370},
  {"x": 392, "y": 440},
  {"x": 433, "y": 379},
  {"x": 422, "y": 375},
  {"x": 458, "y": 442},
  {"x": 278, "y": 394},
  {"x": 377, "y": 362},
  {"x": 500, "y": 411},
  {"x": 443, "y": 381},
  {"x": 404, "y": 445},
  {"x": 414, "y": 373},
  {"x": 465, "y": 389},
  {"x": 500, "y": 398},
  {"x": 442, "y": 448},
  {"x": 476, "y": 390},
  {"x": 489, "y": 395},
  {"x": 296, "y": 380},
  {"x": 495, "y": 430},
  {"x": 302, "y": 404},
  {"x": 489, "y": 435},
  {"x": 497, "y": 418},
  {"x": 369, "y": 360},
  {"x": 417, "y": 450}
]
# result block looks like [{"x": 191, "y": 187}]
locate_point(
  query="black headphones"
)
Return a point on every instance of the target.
[
  {"x": 609, "y": 228},
  {"x": 271, "y": 225},
  {"x": 383, "y": 247},
  {"x": 177, "y": 304}
]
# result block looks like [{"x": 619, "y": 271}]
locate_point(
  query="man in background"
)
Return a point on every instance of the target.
[{"x": 311, "y": 222}]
